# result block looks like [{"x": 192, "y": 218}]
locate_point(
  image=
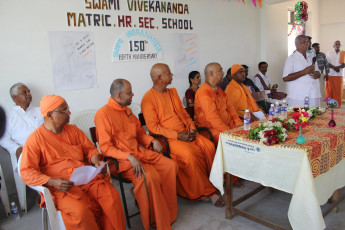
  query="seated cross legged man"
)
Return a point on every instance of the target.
[
  {"x": 121, "y": 136},
  {"x": 164, "y": 114},
  {"x": 239, "y": 95},
  {"x": 51, "y": 154}
]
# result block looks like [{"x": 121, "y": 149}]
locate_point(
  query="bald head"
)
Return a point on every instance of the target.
[
  {"x": 161, "y": 75},
  {"x": 213, "y": 74},
  {"x": 117, "y": 86},
  {"x": 157, "y": 70},
  {"x": 210, "y": 67}
]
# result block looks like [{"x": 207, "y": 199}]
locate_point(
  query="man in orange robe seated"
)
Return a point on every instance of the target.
[
  {"x": 212, "y": 109},
  {"x": 121, "y": 136},
  {"x": 194, "y": 153},
  {"x": 50, "y": 155},
  {"x": 239, "y": 95}
]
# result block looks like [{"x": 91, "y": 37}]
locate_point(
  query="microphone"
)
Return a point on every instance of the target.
[{"x": 314, "y": 60}]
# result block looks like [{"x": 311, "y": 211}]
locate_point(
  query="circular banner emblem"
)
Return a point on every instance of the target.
[{"x": 136, "y": 45}]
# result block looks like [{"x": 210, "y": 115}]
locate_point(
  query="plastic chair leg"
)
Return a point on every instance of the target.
[
  {"x": 44, "y": 219},
  {"x": 4, "y": 194},
  {"x": 20, "y": 186}
]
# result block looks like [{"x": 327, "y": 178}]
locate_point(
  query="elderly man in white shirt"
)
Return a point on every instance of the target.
[
  {"x": 22, "y": 120},
  {"x": 301, "y": 75}
]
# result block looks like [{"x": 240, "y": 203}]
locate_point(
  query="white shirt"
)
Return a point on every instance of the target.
[
  {"x": 304, "y": 85},
  {"x": 333, "y": 58},
  {"x": 19, "y": 125},
  {"x": 267, "y": 81}
]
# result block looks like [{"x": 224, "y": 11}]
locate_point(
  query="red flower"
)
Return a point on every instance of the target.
[
  {"x": 285, "y": 126},
  {"x": 274, "y": 120},
  {"x": 306, "y": 114},
  {"x": 296, "y": 116}
]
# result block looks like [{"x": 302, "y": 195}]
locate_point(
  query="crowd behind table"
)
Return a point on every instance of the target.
[{"x": 51, "y": 148}]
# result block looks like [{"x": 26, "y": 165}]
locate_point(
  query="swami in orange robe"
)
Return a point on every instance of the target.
[
  {"x": 212, "y": 109},
  {"x": 119, "y": 135},
  {"x": 165, "y": 115},
  {"x": 50, "y": 155},
  {"x": 238, "y": 94}
]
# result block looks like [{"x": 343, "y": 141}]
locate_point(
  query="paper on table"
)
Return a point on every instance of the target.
[
  {"x": 85, "y": 174},
  {"x": 260, "y": 115}
]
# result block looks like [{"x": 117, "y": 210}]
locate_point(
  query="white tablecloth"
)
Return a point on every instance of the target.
[{"x": 286, "y": 169}]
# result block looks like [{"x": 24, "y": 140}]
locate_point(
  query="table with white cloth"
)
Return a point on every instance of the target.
[{"x": 310, "y": 172}]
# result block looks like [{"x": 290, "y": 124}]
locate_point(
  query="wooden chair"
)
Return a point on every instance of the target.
[
  {"x": 162, "y": 139},
  {"x": 201, "y": 130},
  {"x": 114, "y": 163},
  {"x": 166, "y": 149}
]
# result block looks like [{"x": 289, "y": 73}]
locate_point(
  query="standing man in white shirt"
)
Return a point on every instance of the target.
[
  {"x": 334, "y": 83},
  {"x": 301, "y": 75},
  {"x": 22, "y": 120}
]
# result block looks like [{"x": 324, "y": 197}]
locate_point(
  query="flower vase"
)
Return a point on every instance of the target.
[
  {"x": 300, "y": 139},
  {"x": 332, "y": 122}
]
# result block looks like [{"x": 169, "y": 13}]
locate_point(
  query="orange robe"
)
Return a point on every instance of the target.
[
  {"x": 165, "y": 115},
  {"x": 334, "y": 88},
  {"x": 96, "y": 205},
  {"x": 240, "y": 97},
  {"x": 119, "y": 134},
  {"x": 212, "y": 110}
]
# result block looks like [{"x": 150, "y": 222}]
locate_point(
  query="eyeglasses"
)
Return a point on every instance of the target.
[{"x": 62, "y": 111}]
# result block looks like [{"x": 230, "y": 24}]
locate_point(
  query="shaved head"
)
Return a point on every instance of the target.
[
  {"x": 210, "y": 67},
  {"x": 117, "y": 86},
  {"x": 157, "y": 70},
  {"x": 213, "y": 74},
  {"x": 161, "y": 76}
]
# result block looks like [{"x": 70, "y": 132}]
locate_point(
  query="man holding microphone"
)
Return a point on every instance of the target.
[{"x": 301, "y": 75}]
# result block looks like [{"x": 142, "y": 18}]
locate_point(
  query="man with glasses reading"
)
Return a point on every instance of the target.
[{"x": 50, "y": 156}]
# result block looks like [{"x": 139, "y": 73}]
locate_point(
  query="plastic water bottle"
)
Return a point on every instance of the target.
[
  {"x": 246, "y": 120},
  {"x": 277, "y": 110},
  {"x": 14, "y": 211},
  {"x": 284, "y": 109},
  {"x": 271, "y": 112},
  {"x": 306, "y": 101}
]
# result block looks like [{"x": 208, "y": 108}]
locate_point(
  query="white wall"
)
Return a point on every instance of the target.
[
  {"x": 332, "y": 23},
  {"x": 228, "y": 33}
]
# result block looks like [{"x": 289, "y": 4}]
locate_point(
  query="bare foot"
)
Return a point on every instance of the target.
[{"x": 217, "y": 201}]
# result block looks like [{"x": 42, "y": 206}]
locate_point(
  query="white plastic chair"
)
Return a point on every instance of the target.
[
  {"x": 20, "y": 186},
  {"x": 84, "y": 120},
  {"x": 4, "y": 194},
  {"x": 55, "y": 218}
]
